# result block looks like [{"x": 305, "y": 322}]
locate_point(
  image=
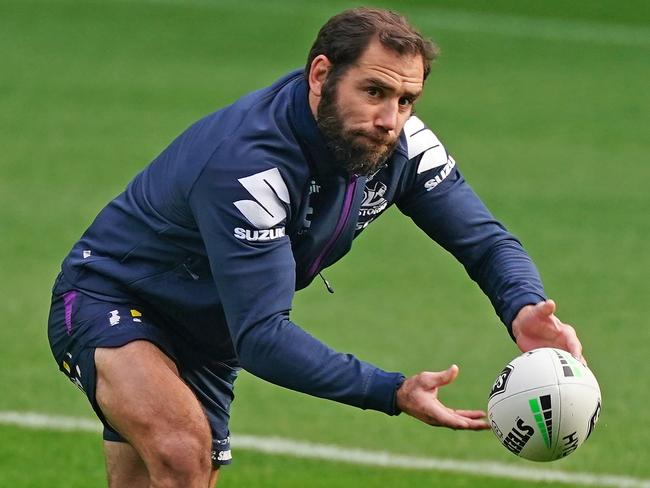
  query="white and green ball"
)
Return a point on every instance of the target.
[{"x": 544, "y": 404}]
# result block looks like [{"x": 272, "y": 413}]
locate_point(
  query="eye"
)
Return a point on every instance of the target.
[
  {"x": 406, "y": 101},
  {"x": 373, "y": 91}
]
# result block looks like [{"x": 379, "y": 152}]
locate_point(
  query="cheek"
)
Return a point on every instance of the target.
[
  {"x": 351, "y": 119},
  {"x": 359, "y": 116},
  {"x": 354, "y": 109}
]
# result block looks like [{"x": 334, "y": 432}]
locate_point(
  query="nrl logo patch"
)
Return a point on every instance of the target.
[{"x": 501, "y": 382}]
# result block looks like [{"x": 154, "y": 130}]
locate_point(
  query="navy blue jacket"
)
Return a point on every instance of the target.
[{"x": 245, "y": 207}]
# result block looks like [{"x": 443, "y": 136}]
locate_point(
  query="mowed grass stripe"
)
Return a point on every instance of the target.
[
  {"x": 507, "y": 25},
  {"x": 308, "y": 450},
  {"x": 536, "y": 28}
]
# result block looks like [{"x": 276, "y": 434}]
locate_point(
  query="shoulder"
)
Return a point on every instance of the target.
[
  {"x": 254, "y": 136},
  {"x": 423, "y": 145},
  {"x": 429, "y": 166}
]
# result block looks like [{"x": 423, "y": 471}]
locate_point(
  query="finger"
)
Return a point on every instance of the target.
[
  {"x": 446, "y": 417},
  {"x": 580, "y": 357},
  {"x": 574, "y": 346},
  {"x": 478, "y": 425},
  {"x": 452, "y": 420},
  {"x": 471, "y": 414},
  {"x": 457, "y": 419}
]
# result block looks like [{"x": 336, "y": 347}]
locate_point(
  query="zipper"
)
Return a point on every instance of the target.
[
  {"x": 327, "y": 283},
  {"x": 192, "y": 274},
  {"x": 338, "y": 230}
]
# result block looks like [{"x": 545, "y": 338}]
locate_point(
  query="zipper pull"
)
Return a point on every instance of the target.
[
  {"x": 327, "y": 283},
  {"x": 190, "y": 272}
]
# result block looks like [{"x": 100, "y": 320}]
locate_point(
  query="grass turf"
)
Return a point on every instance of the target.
[
  {"x": 552, "y": 135},
  {"x": 73, "y": 461}
]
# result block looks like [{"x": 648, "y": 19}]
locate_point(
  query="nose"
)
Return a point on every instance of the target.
[{"x": 386, "y": 117}]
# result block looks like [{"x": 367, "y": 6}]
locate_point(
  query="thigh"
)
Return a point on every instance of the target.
[
  {"x": 142, "y": 397},
  {"x": 79, "y": 323},
  {"x": 83, "y": 329}
]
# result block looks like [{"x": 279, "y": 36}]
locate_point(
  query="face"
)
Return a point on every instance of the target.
[{"x": 362, "y": 113}]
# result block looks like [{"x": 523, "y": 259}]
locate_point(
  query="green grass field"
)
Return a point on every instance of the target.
[{"x": 545, "y": 107}]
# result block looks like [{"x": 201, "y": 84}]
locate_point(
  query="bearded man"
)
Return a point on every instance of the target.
[{"x": 189, "y": 274}]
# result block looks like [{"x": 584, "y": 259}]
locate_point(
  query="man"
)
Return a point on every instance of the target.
[{"x": 189, "y": 275}]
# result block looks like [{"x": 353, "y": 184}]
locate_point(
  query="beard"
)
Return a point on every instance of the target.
[{"x": 351, "y": 153}]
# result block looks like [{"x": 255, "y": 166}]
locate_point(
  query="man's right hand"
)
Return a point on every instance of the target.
[{"x": 418, "y": 397}]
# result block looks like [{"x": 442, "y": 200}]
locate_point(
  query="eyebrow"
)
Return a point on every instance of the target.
[{"x": 380, "y": 84}]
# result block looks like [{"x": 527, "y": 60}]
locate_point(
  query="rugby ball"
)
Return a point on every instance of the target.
[{"x": 544, "y": 404}]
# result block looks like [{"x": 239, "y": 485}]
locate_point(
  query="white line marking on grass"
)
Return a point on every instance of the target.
[
  {"x": 308, "y": 450},
  {"x": 33, "y": 420}
]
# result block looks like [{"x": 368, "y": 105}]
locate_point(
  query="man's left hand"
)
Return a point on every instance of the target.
[{"x": 537, "y": 326}]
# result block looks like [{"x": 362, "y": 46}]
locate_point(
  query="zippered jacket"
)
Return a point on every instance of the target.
[{"x": 246, "y": 207}]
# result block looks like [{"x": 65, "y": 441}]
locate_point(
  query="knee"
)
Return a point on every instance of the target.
[{"x": 181, "y": 459}]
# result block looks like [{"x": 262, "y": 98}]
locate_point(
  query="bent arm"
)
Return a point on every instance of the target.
[{"x": 453, "y": 216}]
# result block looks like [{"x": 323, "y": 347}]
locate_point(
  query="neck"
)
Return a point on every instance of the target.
[{"x": 313, "y": 103}]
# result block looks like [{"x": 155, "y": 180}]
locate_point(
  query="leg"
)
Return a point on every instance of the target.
[
  {"x": 141, "y": 395},
  {"x": 214, "y": 478},
  {"x": 124, "y": 466},
  {"x": 129, "y": 382}
]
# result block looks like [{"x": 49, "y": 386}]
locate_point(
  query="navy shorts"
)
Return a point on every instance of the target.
[{"x": 79, "y": 323}]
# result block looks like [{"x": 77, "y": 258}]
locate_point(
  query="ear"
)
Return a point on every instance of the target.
[{"x": 318, "y": 71}]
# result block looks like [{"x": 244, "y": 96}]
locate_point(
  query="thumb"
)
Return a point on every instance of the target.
[
  {"x": 442, "y": 378},
  {"x": 545, "y": 308}
]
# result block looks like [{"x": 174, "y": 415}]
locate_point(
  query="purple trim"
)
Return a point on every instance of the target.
[
  {"x": 340, "y": 225},
  {"x": 68, "y": 300}
]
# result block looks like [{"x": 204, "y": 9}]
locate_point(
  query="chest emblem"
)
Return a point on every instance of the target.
[
  {"x": 373, "y": 203},
  {"x": 373, "y": 199}
]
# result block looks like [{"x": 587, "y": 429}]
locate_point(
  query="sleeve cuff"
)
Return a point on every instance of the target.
[
  {"x": 509, "y": 314},
  {"x": 381, "y": 392}
]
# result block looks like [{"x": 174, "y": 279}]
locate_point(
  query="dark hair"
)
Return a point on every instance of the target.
[{"x": 345, "y": 36}]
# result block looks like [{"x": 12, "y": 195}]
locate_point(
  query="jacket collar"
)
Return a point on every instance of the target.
[{"x": 308, "y": 134}]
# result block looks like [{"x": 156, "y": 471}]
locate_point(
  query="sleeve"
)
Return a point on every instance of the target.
[
  {"x": 241, "y": 217},
  {"x": 443, "y": 205}
]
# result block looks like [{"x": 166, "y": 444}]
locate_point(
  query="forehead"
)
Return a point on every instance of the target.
[{"x": 377, "y": 61}]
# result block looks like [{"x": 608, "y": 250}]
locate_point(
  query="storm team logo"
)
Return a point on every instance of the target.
[
  {"x": 373, "y": 203},
  {"x": 373, "y": 200}
]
